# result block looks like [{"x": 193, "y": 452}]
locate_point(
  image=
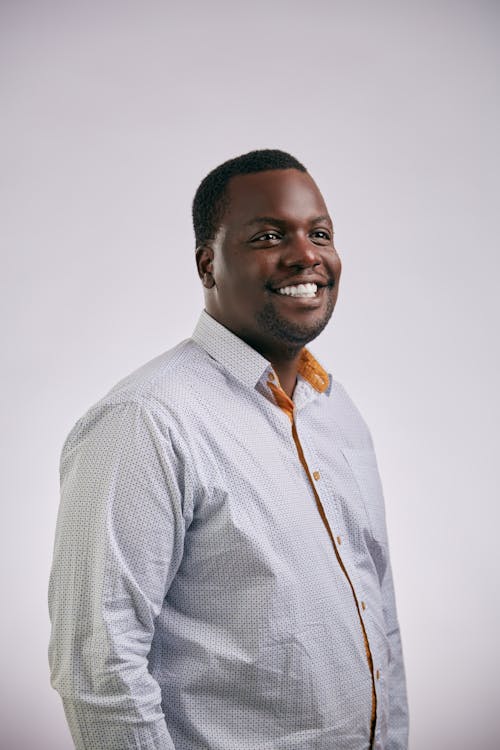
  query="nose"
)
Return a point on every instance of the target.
[{"x": 301, "y": 252}]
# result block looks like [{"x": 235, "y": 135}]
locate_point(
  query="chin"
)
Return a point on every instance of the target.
[{"x": 294, "y": 333}]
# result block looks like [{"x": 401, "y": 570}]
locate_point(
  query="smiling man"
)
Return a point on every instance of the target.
[{"x": 221, "y": 575}]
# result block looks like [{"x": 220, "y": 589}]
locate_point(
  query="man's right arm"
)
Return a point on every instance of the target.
[{"x": 119, "y": 542}]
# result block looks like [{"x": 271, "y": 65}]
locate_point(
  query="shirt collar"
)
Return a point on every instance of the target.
[
  {"x": 246, "y": 364},
  {"x": 229, "y": 350}
]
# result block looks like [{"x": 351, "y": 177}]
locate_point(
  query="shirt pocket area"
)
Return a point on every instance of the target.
[{"x": 363, "y": 465}]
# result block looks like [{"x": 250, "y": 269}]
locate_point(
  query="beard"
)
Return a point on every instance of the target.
[{"x": 291, "y": 334}]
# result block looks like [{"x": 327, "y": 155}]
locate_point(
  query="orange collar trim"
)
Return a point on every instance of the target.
[{"x": 312, "y": 372}]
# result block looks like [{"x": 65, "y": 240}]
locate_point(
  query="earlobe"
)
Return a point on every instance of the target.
[{"x": 208, "y": 280}]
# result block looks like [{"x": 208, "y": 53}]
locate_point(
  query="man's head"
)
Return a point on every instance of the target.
[{"x": 263, "y": 232}]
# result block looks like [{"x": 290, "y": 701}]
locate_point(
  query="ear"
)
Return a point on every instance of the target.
[{"x": 204, "y": 264}]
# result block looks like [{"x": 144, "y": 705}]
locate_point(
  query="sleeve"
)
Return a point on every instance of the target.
[
  {"x": 119, "y": 541},
  {"x": 397, "y": 735},
  {"x": 398, "y": 717}
]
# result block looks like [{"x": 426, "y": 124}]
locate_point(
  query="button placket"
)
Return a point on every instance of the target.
[{"x": 321, "y": 489}]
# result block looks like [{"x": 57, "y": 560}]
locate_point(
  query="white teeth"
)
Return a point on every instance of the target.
[{"x": 302, "y": 290}]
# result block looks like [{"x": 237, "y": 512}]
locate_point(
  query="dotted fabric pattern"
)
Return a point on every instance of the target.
[{"x": 195, "y": 596}]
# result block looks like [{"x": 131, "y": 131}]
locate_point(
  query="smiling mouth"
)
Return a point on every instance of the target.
[{"x": 307, "y": 291}]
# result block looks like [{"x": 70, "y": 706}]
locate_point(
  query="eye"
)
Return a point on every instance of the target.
[
  {"x": 267, "y": 237},
  {"x": 322, "y": 235}
]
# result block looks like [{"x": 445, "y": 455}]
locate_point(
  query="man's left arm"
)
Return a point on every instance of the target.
[{"x": 397, "y": 734}]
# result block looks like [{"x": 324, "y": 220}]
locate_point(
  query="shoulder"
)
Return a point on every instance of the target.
[
  {"x": 166, "y": 374},
  {"x": 155, "y": 395}
]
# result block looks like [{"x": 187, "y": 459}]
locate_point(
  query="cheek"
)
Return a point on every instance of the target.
[
  {"x": 335, "y": 266},
  {"x": 247, "y": 278},
  {"x": 238, "y": 289}
]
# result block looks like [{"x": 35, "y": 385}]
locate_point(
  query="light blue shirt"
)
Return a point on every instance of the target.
[{"x": 196, "y": 598}]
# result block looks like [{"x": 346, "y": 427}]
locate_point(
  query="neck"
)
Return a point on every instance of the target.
[
  {"x": 285, "y": 358},
  {"x": 286, "y": 370},
  {"x": 285, "y": 362}
]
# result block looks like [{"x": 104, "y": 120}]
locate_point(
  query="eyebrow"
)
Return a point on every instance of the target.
[
  {"x": 264, "y": 220},
  {"x": 321, "y": 219},
  {"x": 282, "y": 222}
]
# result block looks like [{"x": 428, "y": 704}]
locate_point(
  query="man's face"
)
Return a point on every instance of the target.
[{"x": 276, "y": 236}]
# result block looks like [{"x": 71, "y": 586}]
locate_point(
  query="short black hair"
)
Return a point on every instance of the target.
[{"x": 211, "y": 198}]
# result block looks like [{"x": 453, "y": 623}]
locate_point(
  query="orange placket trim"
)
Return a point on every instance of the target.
[{"x": 312, "y": 371}]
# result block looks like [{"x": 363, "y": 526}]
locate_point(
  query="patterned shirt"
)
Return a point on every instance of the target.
[{"x": 221, "y": 576}]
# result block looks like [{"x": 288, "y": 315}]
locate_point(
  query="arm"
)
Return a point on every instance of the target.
[
  {"x": 119, "y": 542},
  {"x": 397, "y": 738},
  {"x": 371, "y": 489}
]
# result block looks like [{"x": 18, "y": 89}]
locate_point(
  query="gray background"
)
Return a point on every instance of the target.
[{"x": 112, "y": 112}]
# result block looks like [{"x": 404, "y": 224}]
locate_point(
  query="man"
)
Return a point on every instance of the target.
[{"x": 221, "y": 575}]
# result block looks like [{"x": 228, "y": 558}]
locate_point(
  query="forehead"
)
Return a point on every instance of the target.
[{"x": 285, "y": 194}]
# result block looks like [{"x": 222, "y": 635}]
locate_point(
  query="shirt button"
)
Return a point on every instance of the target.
[
  {"x": 377, "y": 674},
  {"x": 363, "y": 606},
  {"x": 316, "y": 475},
  {"x": 339, "y": 540},
  {"x": 271, "y": 376}
]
